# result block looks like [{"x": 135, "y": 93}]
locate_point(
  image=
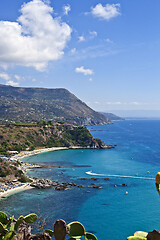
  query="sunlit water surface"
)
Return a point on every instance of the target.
[{"x": 111, "y": 213}]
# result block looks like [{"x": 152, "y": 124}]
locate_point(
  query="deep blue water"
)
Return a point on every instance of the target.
[{"x": 109, "y": 212}]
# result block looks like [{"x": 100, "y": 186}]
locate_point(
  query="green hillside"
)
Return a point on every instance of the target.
[
  {"x": 34, "y": 104},
  {"x": 18, "y": 137}
]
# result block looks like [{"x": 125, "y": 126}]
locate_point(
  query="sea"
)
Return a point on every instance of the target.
[{"x": 115, "y": 211}]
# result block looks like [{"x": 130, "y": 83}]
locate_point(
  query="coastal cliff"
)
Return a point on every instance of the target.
[{"x": 25, "y": 137}]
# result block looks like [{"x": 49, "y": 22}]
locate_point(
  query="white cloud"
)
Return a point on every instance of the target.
[
  {"x": 12, "y": 83},
  {"x": 4, "y": 76},
  {"x": 81, "y": 39},
  {"x": 84, "y": 71},
  {"x": 108, "y": 40},
  {"x": 93, "y": 34},
  {"x": 73, "y": 50},
  {"x": 66, "y": 9},
  {"x": 106, "y": 12},
  {"x": 35, "y": 38},
  {"x": 90, "y": 79},
  {"x": 114, "y": 103}
]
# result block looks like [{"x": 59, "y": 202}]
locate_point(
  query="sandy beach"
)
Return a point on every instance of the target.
[
  {"x": 9, "y": 192},
  {"x": 23, "y": 154},
  {"x": 42, "y": 150}
]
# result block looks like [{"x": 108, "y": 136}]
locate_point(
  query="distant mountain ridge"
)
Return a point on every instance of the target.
[
  {"x": 112, "y": 116},
  {"x": 35, "y": 104}
]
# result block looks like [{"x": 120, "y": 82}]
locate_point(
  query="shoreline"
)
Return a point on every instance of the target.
[
  {"x": 21, "y": 155},
  {"x": 9, "y": 192},
  {"x": 24, "y": 154}
]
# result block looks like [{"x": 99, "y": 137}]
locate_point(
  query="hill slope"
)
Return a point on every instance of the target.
[
  {"x": 112, "y": 116},
  {"x": 34, "y": 104},
  {"x": 18, "y": 137}
]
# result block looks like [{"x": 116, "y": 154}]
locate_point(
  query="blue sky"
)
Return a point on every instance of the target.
[{"x": 105, "y": 52}]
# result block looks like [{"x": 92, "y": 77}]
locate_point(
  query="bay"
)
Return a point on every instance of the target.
[{"x": 110, "y": 212}]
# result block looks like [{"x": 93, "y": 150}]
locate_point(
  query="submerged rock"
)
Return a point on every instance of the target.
[
  {"x": 98, "y": 187},
  {"x": 124, "y": 185}
]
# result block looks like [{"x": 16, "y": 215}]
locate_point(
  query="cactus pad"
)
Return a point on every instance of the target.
[
  {"x": 76, "y": 230},
  {"x": 50, "y": 232},
  {"x": 140, "y": 234},
  {"x": 89, "y": 236},
  {"x": 31, "y": 218},
  {"x": 136, "y": 238},
  {"x": 3, "y": 217},
  {"x": 158, "y": 178}
]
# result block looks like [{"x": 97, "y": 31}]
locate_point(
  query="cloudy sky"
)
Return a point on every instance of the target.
[{"x": 105, "y": 52}]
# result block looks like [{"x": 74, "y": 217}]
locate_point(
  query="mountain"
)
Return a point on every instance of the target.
[
  {"x": 112, "y": 116},
  {"x": 35, "y": 104}
]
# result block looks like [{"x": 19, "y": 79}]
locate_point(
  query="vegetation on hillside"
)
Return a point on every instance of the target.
[
  {"x": 26, "y": 136},
  {"x": 34, "y": 104},
  {"x": 10, "y": 171}
]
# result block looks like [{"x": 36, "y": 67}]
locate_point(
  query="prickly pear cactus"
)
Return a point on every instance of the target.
[
  {"x": 158, "y": 178},
  {"x": 89, "y": 236},
  {"x": 11, "y": 229},
  {"x": 31, "y": 218},
  {"x": 140, "y": 234},
  {"x": 3, "y": 217},
  {"x": 76, "y": 230},
  {"x": 60, "y": 229}
]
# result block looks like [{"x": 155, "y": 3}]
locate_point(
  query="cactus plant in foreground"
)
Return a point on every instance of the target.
[
  {"x": 154, "y": 235},
  {"x": 139, "y": 235},
  {"x": 9, "y": 226},
  {"x": 10, "y": 229},
  {"x": 74, "y": 229}
]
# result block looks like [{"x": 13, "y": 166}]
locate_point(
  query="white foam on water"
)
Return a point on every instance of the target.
[{"x": 118, "y": 176}]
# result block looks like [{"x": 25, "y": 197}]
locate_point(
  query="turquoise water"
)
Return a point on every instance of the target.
[{"x": 109, "y": 212}]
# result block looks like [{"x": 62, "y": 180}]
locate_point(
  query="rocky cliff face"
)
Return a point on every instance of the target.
[
  {"x": 34, "y": 104},
  {"x": 28, "y": 137}
]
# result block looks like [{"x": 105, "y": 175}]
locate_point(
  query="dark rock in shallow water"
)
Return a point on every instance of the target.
[
  {"x": 95, "y": 179},
  {"x": 124, "y": 185},
  {"x": 106, "y": 179},
  {"x": 61, "y": 188},
  {"x": 98, "y": 187},
  {"x": 65, "y": 186},
  {"x": 69, "y": 184},
  {"x": 43, "y": 183}
]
